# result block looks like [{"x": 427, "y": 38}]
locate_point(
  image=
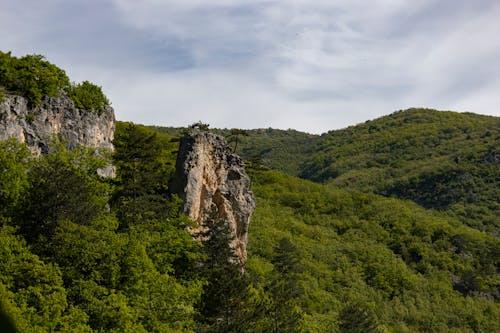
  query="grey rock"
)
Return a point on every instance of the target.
[
  {"x": 56, "y": 116},
  {"x": 208, "y": 176}
]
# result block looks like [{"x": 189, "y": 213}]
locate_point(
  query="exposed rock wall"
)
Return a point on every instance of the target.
[
  {"x": 209, "y": 176},
  {"x": 58, "y": 116}
]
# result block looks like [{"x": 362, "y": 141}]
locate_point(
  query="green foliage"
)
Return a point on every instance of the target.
[
  {"x": 145, "y": 160},
  {"x": 79, "y": 253},
  {"x": 145, "y": 164},
  {"x": 63, "y": 185},
  {"x": 88, "y": 96},
  {"x": 7, "y": 325},
  {"x": 357, "y": 318},
  {"x": 31, "y": 290},
  {"x": 31, "y": 76},
  {"x": 13, "y": 179},
  {"x": 163, "y": 302},
  {"x": 161, "y": 256},
  {"x": 34, "y": 77},
  {"x": 89, "y": 252},
  {"x": 222, "y": 307},
  {"x": 391, "y": 264},
  {"x": 284, "y": 288},
  {"x": 440, "y": 160}
]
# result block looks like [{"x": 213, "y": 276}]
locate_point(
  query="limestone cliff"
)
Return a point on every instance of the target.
[
  {"x": 209, "y": 176},
  {"x": 58, "y": 116}
]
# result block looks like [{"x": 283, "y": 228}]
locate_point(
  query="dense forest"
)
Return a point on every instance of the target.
[
  {"x": 394, "y": 229},
  {"x": 445, "y": 161}
]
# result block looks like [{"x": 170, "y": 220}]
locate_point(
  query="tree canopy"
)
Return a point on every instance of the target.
[{"x": 33, "y": 77}]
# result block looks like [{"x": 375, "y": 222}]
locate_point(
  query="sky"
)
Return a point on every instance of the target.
[{"x": 310, "y": 65}]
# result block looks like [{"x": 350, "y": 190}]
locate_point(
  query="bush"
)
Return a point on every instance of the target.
[
  {"x": 88, "y": 96},
  {"x": 34, "y": 77},
  {"x": 31, "y": 76}
]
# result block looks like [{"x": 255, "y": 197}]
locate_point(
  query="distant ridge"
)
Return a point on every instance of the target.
[{"x": 441, "y": 160}]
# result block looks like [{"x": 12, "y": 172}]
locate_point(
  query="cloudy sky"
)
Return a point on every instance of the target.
[{"x": 311, "y": 65}]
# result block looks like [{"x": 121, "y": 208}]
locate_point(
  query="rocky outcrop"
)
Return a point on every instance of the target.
[
  {"x": 209, "y": 177},
  {"x": 57, "y": 116}
]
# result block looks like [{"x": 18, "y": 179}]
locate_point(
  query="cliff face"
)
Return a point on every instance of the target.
[
  {"x": 208, "y": 176},
  {"x": 58, "y": 116}
]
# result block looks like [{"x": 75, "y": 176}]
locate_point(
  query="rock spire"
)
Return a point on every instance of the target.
[{"x": 209, "y": 177}]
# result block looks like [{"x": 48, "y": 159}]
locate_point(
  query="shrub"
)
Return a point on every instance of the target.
[
  {"x": 34, "y": 77},
  {"x": 31, "y": 76},
  {"x": 88, "y": 96}
]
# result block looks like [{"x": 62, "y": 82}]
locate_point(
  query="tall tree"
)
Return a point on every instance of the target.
[
  {"x": 13, "y": 179},
  {"x": 357, "y": 318},
  {"x": 224, "y": 299},
  {"x": 235, "y": 135},
  {"x": 63, "y": 185},
  {"x": 284, "y": 289},
  {"x": 144, "y": 167}
]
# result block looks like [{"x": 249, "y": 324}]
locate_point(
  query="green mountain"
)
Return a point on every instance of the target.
[
  {"x": 446, "y": 161},
  {"x": 395, "y": 230},
  {"x": 441, "y": 160},
  {"x": 404, "y": 268},
  {"x": 354, "y": 232}
]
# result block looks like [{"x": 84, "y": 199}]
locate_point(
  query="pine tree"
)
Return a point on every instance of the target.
[
  {"x": 224, "y": 300},
  {"x": 284, "y": 289},
  {"x": 235, "y": 137},
  {"x": 357, "y": 318}
]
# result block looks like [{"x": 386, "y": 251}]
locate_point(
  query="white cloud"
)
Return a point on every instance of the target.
[{"x": 310, "y": 65}]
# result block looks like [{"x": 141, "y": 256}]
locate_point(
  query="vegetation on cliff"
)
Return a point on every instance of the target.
[
  {"x": 34, "y": 77},
  {"x": 88, "y": 96}
]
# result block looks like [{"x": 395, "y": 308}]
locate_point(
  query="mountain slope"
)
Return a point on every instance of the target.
[
  {"x": 440, "y": 160},
  {"x": 114, "y": 255},
  {"x": 410, "y": 269},
  {"x": 446, "y": 161}
]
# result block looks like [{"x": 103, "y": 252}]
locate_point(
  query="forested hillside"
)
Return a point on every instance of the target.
[
  {"x": 446, "y": 161},
  {"x": 114, "y": 256},
  {"x": 355, "y": 262},
  {"x": 441, "y": 160},
  {"x": 398, "y": 233},
  {"x": 80, "y": 253}
]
